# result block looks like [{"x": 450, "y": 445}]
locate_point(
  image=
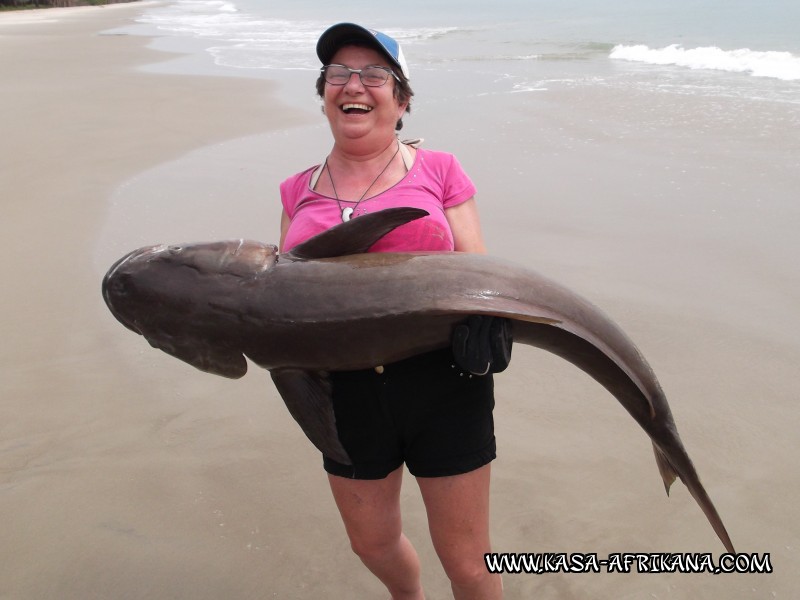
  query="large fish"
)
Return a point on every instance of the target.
[{"x": 328, "y": 305}]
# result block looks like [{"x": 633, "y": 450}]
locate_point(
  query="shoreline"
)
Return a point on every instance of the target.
[
  {"x": 96, "y": 125},
  {"x": 39, "y": 14},
  {"x": 131, "y": 475},
  {"x": 95, "y": 467}
]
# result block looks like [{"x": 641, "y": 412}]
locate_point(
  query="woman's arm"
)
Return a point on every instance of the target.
[
  {"x": 466, "y": 227},
  {"x": 284, "y": 228}
]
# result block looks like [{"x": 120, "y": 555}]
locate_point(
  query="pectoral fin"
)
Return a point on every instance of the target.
[
  {"x": 203, "y": 355},
  {"x": 308, "y": 397}
]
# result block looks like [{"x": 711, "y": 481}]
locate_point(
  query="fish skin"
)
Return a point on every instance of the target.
[{"x": 330, "y": 305}]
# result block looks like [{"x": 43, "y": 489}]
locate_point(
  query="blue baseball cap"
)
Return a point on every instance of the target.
[{"x": 341, "y": 34}]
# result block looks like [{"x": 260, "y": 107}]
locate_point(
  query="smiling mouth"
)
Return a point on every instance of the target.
[{"x": 356, "y": 109}]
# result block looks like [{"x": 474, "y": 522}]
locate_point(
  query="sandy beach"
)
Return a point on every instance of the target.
[{"x": 126, "y": 474}]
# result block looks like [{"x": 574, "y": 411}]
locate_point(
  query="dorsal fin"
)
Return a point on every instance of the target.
[{"x": 354, "y": 236}]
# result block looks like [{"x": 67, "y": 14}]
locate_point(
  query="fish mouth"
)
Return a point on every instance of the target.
[
  {"x": 112, "y": 272},
  {"x": 130, "y": 256}
]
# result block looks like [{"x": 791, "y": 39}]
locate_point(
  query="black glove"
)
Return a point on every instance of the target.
[{"x": 482, "y": 344}]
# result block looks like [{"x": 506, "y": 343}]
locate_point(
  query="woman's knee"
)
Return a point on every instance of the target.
[
  {"x": 375, "y": 546},
  {"x": 467, "y": 574}
]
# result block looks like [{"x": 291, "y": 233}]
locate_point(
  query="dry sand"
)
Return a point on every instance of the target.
[{"x": 127, "y": 474}]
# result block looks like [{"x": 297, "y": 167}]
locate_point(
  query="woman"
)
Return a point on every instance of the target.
[{"x": 422, "y": 412}]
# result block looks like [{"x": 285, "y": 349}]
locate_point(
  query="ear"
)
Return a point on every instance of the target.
[{"x": 401, "y": 110}]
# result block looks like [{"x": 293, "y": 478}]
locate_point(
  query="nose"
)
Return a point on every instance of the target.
[{"x": 354, "y": 82}]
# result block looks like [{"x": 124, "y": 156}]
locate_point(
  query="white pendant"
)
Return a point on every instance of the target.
[{"x": 346, "y": 214}]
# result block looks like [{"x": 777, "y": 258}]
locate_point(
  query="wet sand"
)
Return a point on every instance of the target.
[{"x": 127, "y": 474}]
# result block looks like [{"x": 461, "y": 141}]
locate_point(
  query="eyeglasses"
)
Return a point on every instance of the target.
[{"x": 372, "y": 76}]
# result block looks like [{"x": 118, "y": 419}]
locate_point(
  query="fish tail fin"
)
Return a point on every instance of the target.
[
  {"x": 698, "y": 492},
  {"x": 668, "y": 473}
]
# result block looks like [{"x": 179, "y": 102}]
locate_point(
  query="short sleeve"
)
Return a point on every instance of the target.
[
  {"x": 457, "y": 186},
  {"x": 292, "y": 190}
]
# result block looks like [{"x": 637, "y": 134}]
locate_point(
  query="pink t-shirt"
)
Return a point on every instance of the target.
[{"x": 435, "y": 182}]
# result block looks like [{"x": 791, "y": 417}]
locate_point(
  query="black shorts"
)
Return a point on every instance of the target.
[{"x": 421, "y": 411}]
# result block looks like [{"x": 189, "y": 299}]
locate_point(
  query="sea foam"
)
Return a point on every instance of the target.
[
  {"x": 252, "y": 41},
  {"x": 778, "y": 65}
]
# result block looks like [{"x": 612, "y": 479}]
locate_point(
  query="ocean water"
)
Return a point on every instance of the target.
[
  {"x": 585, "y": 126},
  {"x": 720, "y": 48}
]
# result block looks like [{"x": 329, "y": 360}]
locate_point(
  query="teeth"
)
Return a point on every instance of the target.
[{"x": 346, "y": 107}]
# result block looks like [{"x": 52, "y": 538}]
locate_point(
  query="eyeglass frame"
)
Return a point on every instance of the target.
[{"x": 389, "y": 71}]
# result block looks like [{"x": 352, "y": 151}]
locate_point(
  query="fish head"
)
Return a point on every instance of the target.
[
  {"x": 241, "y": 259},
  {"x": 179, "y": 297}
]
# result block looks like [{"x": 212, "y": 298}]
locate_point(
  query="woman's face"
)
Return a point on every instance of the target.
[{"x": 355, "y": 110}]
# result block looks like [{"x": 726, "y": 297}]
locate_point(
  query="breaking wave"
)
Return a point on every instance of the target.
[{"x": 778, "y": 65}]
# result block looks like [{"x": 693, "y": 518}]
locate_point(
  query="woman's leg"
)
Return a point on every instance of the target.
[
  {"x": 370, "y": 510},
  {"x": 458, "y": 518}
]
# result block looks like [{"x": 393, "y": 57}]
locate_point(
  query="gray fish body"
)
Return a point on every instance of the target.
[{"x": 329, "y": 306}]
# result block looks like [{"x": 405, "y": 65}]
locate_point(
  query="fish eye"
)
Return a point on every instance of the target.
[{"x": 175, "y": 249}]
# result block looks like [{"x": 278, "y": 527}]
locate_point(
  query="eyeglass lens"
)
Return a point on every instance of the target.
[{"x": 370, "y": 76}]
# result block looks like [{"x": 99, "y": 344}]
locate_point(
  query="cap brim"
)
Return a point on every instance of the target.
[{"x": 341, "y": 34}]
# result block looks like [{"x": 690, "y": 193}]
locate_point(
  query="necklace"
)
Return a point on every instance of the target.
[{"x": 347, "y": 211}]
